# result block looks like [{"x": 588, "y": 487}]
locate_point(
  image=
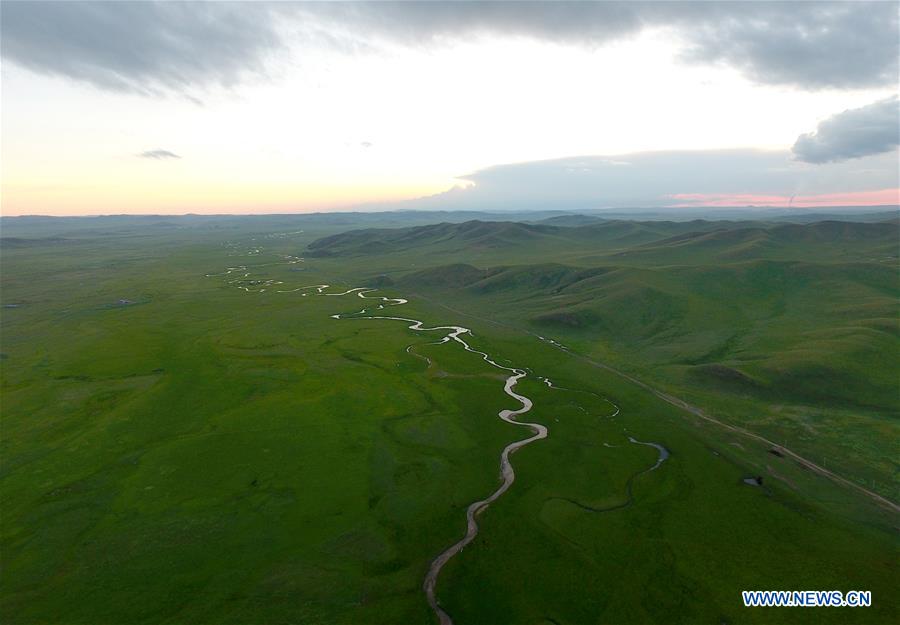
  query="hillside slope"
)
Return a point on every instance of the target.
[
  {"x": 619, "y": 242},
  {"x": 824, "y": 241},
  {"x": 790, "y": 330},
  {"x": 470, "y": 236},
  {"x": 787, "y": 330}
]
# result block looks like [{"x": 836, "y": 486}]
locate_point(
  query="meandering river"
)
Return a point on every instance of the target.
[
  {"x": 507, "y": 473},
  {"x": 239, "y": 276}
]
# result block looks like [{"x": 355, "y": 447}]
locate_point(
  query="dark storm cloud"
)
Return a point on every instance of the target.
[
  {"x": 158, "y": 155},
  {"x": 151, "y": 46},
  {"x": 141, "y": 47},
  {"x": 871, "y": 129}
]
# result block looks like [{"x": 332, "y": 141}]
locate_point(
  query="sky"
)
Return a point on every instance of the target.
[{"x": 256, "y": 107}]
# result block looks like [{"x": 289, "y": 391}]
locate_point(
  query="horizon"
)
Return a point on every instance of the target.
[{"x": 637, "y": 211}]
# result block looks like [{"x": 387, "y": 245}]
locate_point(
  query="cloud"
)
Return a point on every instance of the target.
[
  {"x": 871, "y": 129},
  {"x": 807, "y": 44},
  {"x": 153, "y": 47},
  {"x": 422, "y": 23},
  {"x": 159, "y": 155},
  {"x": 658, "y": 179},
  {"x": 141, "y": 47}
]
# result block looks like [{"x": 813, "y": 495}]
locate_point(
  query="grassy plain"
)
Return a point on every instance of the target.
[{"x": 178, "y": 450}]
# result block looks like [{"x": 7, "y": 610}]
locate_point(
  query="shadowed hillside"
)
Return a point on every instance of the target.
[
  {"x": 826, "y": 240},
  {"x": 467, "y": 234},
  {"x": 781, "y": 329},
  {"x": 505, "y": 236},
  {"x": 619, "y": 242}
]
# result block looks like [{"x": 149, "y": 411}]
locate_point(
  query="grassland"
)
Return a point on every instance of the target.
[
  {"x": 179, "y": 450},
  {"x": 791, "y": 328}
]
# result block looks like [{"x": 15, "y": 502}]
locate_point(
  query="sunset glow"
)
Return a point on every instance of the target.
[{"x": 881, "y": 197}]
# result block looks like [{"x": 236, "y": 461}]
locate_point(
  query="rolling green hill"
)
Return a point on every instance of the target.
[
  {"x": 443, "y": 236},
  {"x": 824, "y": 241},
  {"x": 790, "y": 328},
  {"x": 195, "y": 430},
  {"x": 618, "y": 242},
  {"x": 790, "y": 325}
]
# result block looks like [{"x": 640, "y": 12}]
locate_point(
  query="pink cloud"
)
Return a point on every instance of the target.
[{"x": 859, "y": 198}]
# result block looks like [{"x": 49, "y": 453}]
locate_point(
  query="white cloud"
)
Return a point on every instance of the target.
[
  {"x": 159, "y": 155},
  {"x": 654, "y": 179},
  {"x": 871, "y": 129}
]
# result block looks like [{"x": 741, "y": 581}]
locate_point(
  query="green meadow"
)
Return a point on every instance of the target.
[{"x": 184, "y": 443}]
